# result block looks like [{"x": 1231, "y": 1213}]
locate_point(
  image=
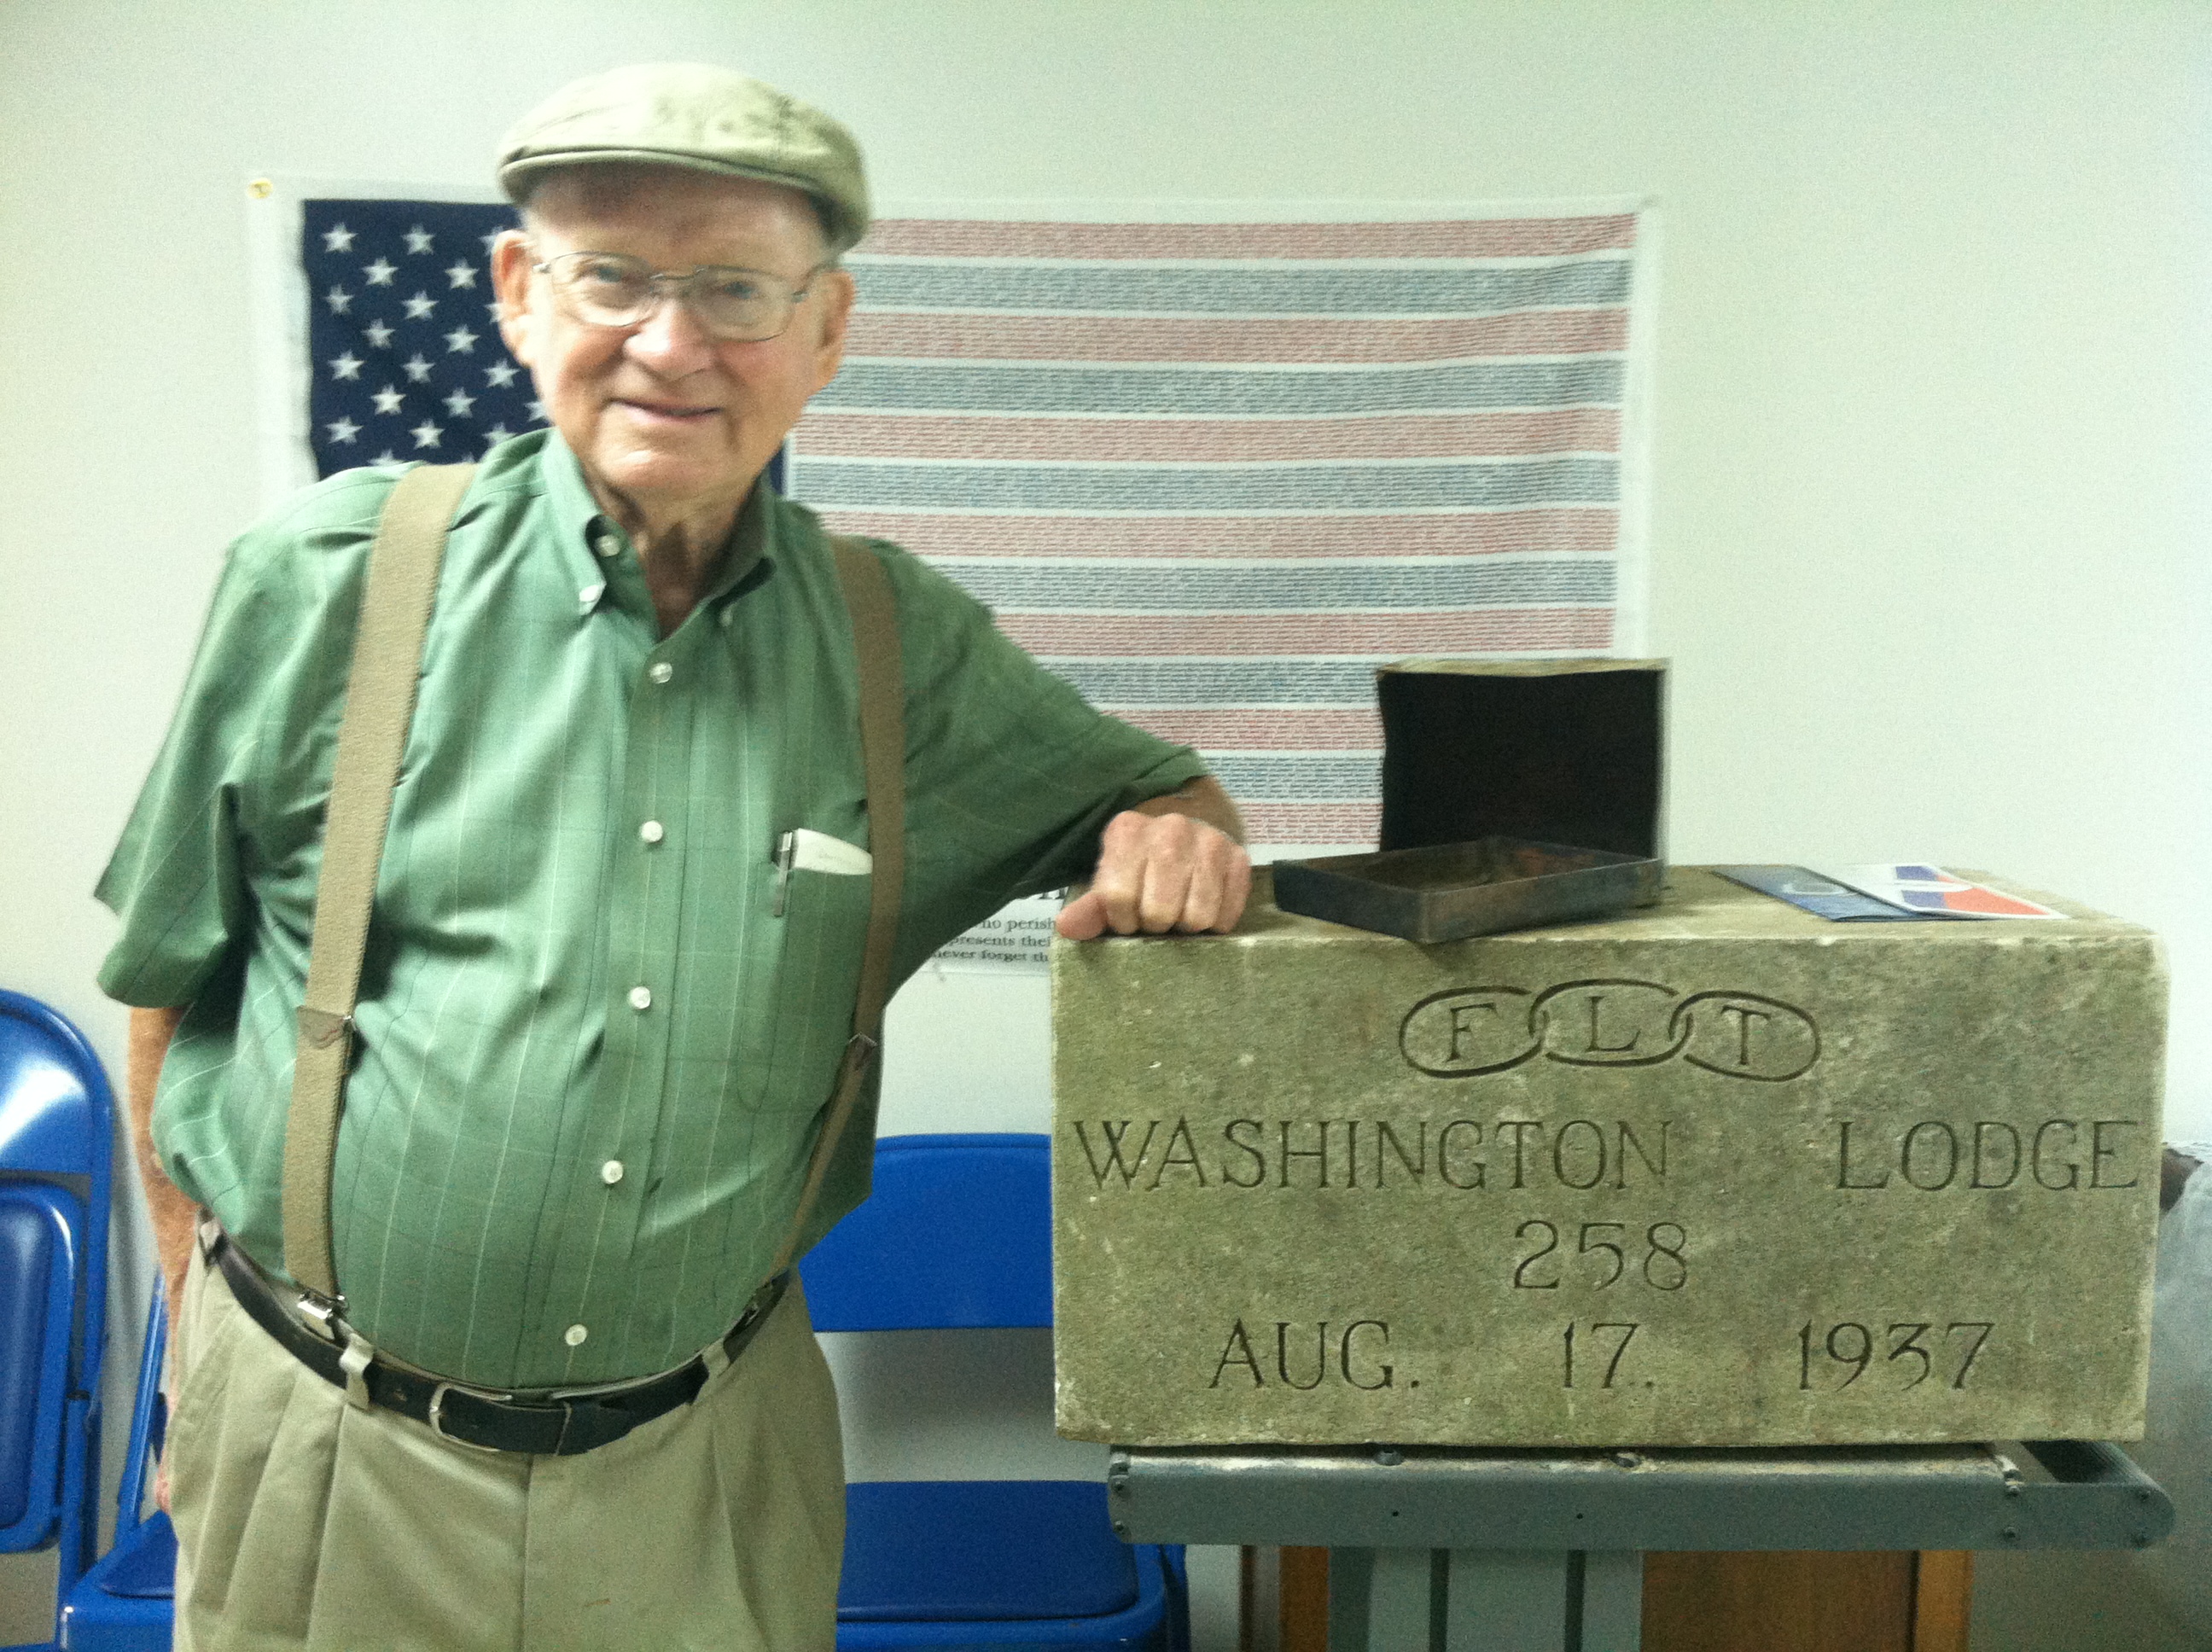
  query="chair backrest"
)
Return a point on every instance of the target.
[
  {"x": 956, "y": 1234},
  {"x": 56, "y": 1117}
]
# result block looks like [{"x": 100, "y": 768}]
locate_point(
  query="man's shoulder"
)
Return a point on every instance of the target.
[
  {"x": 334, "y": 521},
  {"x": 913, "y": 581}
]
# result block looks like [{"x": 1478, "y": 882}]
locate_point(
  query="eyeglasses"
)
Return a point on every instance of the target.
[{"x": 611, "y": 289}]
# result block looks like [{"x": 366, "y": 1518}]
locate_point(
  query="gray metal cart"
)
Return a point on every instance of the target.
[{"x": 1464, "y": 1550}]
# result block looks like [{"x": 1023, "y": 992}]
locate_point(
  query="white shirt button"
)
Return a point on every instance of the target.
[
  {"x": 611, "y": 1171},
  {"x": 589, "y": 595},
  {"x": 652, "y": 831},
  {"x": 607, "y": 545},
  {"x": 661, "y": 670},
  {"x": 641, "y": 998},
  {"x": 574, "y": 1335}
]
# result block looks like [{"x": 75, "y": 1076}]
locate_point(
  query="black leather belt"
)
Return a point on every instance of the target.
[{"x": 561, "y": 1422}]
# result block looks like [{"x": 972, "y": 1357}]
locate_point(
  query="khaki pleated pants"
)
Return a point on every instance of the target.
[{"x": 304, "y": 1522}]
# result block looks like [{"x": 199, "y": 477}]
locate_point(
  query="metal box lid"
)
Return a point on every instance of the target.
[{"x": 1551, "y": 750}]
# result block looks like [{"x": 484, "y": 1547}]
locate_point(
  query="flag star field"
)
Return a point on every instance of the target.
[{"x": 404, "y": 343}]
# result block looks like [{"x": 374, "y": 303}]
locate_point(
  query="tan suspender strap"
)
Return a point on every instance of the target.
[
  {"x": 883, "y": 762},
  {"x": 387, "y": 655}
]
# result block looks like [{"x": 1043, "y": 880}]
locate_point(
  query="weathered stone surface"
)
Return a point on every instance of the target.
[{"x": 1659, "y": 1181}]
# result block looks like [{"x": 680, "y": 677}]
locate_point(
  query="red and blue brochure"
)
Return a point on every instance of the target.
[{"x": 1888, "y": 893}]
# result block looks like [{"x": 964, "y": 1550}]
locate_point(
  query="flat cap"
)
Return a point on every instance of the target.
[{"x": 699, "y": 116}]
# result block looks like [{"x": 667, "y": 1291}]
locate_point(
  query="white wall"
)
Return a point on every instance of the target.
[{"x": 1928, "y": 521}]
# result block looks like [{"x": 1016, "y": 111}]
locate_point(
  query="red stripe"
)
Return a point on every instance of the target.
[
  {"x": 1351, "y": 825},
  {"x": 1453, "y": 435},
  {"x": 1263, "y": 731},
  {"x": 1133, "y": 637},
  {"x": 1490, "y": 238},
  {"x": 1459, "y": 534},
  {"x": 1117, "y": 338}
]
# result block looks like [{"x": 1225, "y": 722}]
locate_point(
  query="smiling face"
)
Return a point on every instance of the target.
[{"x": 672, "y": 425}]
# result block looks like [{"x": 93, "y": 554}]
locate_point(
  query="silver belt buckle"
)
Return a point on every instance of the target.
[{"x": 437, "y": 1418}]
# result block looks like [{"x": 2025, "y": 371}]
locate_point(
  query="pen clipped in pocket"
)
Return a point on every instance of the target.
[{"x": 803, "y": 850}]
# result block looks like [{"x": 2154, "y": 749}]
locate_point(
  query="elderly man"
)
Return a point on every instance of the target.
[{"x": 603, "y": 1003}]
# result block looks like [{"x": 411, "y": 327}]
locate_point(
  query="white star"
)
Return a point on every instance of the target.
[
  {"x": 344, "y": 430},
  {"x": 461, "y": 275},
  {"x": 378, "y": 334},
  {"x": 459, "y": 402},
  {"x": 420, "y": 305},
  {"x": 497, "y": 433},
  {"x": 418, "y": 239},
  {"x": 387, "y": 400},
  {"x": 538, "y": 410},
  {"x": 379, "y": 274},
  {"x": 419, "y": 370},
  {"x": 487, "y": 241},
  {"x": 386, "y": 458},
  {"x": 338, "y": 238},
  {"x": 501, "y": 375},
  {"x": 346, "y": 367},
  {"x": 460, "y": 342},
  {"x": 495, "y": 311},
  {"x": 340, "y": 300},
  {"x": 426, "y": 434}
]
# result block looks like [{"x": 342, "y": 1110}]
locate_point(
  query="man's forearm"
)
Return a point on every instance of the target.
[
  {"x": 1201, "y": 799},
  {"x": 173, "y": 1214}
]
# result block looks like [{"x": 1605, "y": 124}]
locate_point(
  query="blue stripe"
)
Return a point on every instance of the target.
[
  {"x": 1220, "y": 393},
  {"x": 1368, "y": 488},
  {"x": 1048, "y": 586},
  {"x": 1238, "y": 290}
]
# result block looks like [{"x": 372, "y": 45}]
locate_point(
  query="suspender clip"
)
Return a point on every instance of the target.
[
  {"x": 324, "y": 1314},
  {"x": 322, "y": 1028}
]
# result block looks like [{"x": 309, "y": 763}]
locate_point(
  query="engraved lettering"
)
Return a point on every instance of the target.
[
  {"x": 1603, "y": 1023},
  {"x": 1320, "y": 1153},
  {"x": 1851, "y": 1344},
  {"x": 2098, "y": 1152},
  {"x": 1460, "y": 1014},
  {"x": 1238, "y": 1351},
  {"x": 1947, "y": 1156},
  {"x": 1985, "y": 1131},
  {"x": 1521, "y": 1279},
  {"x": 2073, "y": 1170},
  {"x": 1185, "y": 1160},
  {"x": 1386, "y": 1374},
  {"x": 1746, "y": 1035},
  {"x": 1745, "y": 1016},
  {"x": 1283, "y": 1356},
  {"x": 1113, "y": 1130},
  {"x": 1443, "y": 1153},
  {"x": 1612, "y": 1365},
  {"x": 1416, "y": 1166},
  {"x": 1258, "y": 1158},
  {"x": 1625, "y": 1139},
  {"x": 1843, "y": 1164},
  {"x": 1520, "y": 1127},
  {"x": 1467, "y": 1031},
  {"x": 1597, "y": 1046},
  {"x": 1592, "y": 1157}
]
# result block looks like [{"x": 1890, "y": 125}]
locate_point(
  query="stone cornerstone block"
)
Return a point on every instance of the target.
[{"x": 1719, "y": 1174}]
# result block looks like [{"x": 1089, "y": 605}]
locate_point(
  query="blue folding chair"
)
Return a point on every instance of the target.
[
  {"x": 126, "y": 1602},
  {"x": 56, "y": 1119},
  {"x": 957, "y": 1235}
]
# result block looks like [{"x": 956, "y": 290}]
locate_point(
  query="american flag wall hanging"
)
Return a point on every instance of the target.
[{"x": 1213, "y": 473}]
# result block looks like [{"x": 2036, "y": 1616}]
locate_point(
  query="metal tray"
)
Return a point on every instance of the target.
[{"x": 1449, "y": 891}]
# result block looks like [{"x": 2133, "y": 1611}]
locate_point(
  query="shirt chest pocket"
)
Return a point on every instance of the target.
[{"x": 822, "y": 931}]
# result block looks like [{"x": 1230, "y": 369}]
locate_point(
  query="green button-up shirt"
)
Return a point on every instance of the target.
[{"x": 592, "y": 1054}]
